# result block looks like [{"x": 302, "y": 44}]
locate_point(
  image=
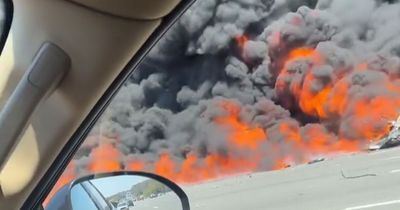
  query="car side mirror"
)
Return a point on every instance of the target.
[{"x": 120, "y": 191}]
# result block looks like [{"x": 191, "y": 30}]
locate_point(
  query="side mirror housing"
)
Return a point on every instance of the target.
[{"x": 121, "y": 190}]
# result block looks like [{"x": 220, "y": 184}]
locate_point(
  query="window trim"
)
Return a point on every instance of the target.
[
  {"x": 49, "y": 179},
  {"x": 9, "y": 14}
]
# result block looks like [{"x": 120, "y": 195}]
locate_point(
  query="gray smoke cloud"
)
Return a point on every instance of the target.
[{"x": 170, "y": 102}]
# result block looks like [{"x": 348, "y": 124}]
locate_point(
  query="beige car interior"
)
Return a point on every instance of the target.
[{"x": 99, "y": 37}]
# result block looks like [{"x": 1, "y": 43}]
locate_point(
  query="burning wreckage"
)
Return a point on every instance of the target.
[
  {"x": 392, "y": 139},
  {"x": 253, "y": 85}
]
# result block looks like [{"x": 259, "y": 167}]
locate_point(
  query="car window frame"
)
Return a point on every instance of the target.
[{"x": 52, "y": 175}]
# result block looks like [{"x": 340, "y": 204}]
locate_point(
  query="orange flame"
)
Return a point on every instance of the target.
[
  {"x": 250, "y": 144},
  {"x": 337, "y": 99},
  {"x": 241, "y": 134},
  {"x": 241, "y": 41},
  {"x": 310, "y": 102},
  {"x": 332, "y": 100},
  {"x": 105, "y": 158},
  {"x": 299, "y": 53},
  {"x": 136, "y": 166},
  {"x": 313, "y": 103}
]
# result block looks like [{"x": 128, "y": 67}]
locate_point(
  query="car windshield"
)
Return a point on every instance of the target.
[{"x": 259, "y": 94}]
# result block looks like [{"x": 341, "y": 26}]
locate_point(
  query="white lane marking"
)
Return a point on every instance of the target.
[
  {"x": 373, "y": 205},
  {"x": 392, "y": 158},
  {"x": 395, "y": 171}
]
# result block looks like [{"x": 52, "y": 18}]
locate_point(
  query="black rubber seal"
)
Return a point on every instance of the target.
[
  {"x": 51, "y": 176},
  {"x": 9, "y": 13}
]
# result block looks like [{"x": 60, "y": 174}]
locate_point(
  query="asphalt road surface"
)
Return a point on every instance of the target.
[
  {"x": 169, "y": 201},
  {"x": 361, "y": 181}
]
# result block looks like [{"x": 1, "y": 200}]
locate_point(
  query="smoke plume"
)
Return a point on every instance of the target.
[{"x": 254, "y": 85}]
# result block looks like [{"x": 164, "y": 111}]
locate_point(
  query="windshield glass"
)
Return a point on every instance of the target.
[{"x": 237, "y": 88}]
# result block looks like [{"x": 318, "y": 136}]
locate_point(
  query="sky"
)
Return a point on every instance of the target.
[{"x": 112, "y": 185}]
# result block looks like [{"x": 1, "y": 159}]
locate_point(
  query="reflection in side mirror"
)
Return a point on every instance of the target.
[{"x": 120, "y": 191}]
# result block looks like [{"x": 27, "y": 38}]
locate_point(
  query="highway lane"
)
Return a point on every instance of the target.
[
  {"x": 349, "y": 182},
  {"x": 169, "y": 201}
]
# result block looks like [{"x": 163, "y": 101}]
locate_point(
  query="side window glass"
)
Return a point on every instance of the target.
[{"x": 247, "y": 86}]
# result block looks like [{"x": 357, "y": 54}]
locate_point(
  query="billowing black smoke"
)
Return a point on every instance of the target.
[{"x": 171, "y": 100}]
